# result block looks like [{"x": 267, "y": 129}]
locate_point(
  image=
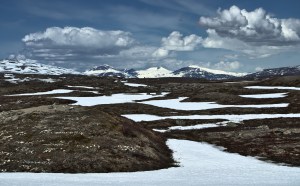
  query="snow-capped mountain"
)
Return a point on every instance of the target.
[
  {"x": 206, "y": 73},
  {"x": 283, "y": 71},
  {"x": 158, "y": 72},
  {"x": 130, "y": 72},
  {"x": 27, "y": 66},
  {"x": 154, "y": 72},
  {"x": 106, "y": 70}
]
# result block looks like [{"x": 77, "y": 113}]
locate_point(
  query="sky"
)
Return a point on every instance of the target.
[{"x": 237, "y": 36}]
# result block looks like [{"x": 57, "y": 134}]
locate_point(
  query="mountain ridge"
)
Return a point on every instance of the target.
[
  {"x": 159, "y": 72},
  {"x": 27, "y": 66}
]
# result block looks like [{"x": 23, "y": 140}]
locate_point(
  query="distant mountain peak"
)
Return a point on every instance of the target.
[
  {"x": 27, "y": 66},
  {"x": 107, "y": 70},
  {"x": 102, "y": 67},
  {"x": 154, "y": 72}
]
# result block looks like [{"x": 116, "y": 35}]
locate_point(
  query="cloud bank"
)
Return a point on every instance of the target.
[
  {"x": 57, "y": 41},
  {"x": 255, "y": 27},
  {"x": 251, "y": 32}
]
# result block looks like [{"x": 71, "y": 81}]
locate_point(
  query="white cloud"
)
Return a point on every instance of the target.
[
  {"x": 255, "y": 27},
  {"x": 177, "y": 42},
  {"x": 73, "y": 46},
  {"x": 214, "y": 40},
  {"x": 73, "y": 37},
  {"x": 160, "y": 53},
  {"x": 255, "y": 33},
  {"x": 228, "y": 66}
]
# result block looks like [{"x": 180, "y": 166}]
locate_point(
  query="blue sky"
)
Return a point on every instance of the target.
[{"x": 144, "y": 33}]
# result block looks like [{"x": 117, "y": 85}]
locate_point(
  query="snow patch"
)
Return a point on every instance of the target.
[
  {"x": 273, "y": 87},
  {"x": 258, "y": 96},
  {"x": 233, "y": 118},
  {"x": 192, "y": 127},
  {"x": 135, "y": 85},
  {"x": 113, "y": 99},
  {"x": 85, "y": 87},
  {"x": 57, "y": 91},
  {"x": 200, "y": 164},
  {"x": 178, "y": 105}
]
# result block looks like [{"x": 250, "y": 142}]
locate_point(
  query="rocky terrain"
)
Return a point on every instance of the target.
[{"x": 46, "y": 134}]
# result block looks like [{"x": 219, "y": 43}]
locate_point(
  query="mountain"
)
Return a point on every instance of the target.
[
  {"x": 154, "y": 72},
  {"x": 158, "y": 72},
  {"x": 274, "y": 72},
  {"x": 106, "y": 70},
  {"x": 130, "y": 72},
  {"x": 27, "y": 66},
  {"x": 206, "y": 73}
]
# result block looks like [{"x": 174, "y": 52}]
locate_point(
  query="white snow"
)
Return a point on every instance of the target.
[
  {"x": 85, "y": 87},
  {"x": 17, "y": 80},
  {"x": 98, "y": 72},
  {"x": 200, "y": 164},
  {"x": 170, "y": 103},
  {"x": 48, "y": 80},
  {"x": 218, "y": 71},
  {"x": 113, "y": 99},
  {"x": 28, "y": 66},
  {"x": 91, "y": 91},
  {"x": 259, "y": 96},
  {"x": 273, "y": 87},
  {"x": 178, "y": 105},
  {"x": 12, "y": 79},
  {"x": 239, "y": 82},
  {"x": 233, "y": 117},
  {"x": 192, "y": 127},
  {"x": 154, "y": 72},
  {"x": 135, "y": 85},
  {"x": 56, "y": 91}
]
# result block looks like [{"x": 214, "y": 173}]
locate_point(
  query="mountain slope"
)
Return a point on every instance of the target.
[
  {"x": 206, "y": 73},
  {"x": 27, "y": 66},
  {"x": 190, "y": 72},
  {"x": 154, "y": 72},
  {"x": 108, "y": 71},
  {"x": 274, "y": 72}
]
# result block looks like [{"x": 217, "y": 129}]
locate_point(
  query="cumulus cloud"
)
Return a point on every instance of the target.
[
  {"x": 73, "y": 44},
  {"x": 213, "y": 40},
  {"x": 69, "y": 40},
  {"x": 177, "y": 42},
  {"x": 256, "y": 27},
  {"x": 78, "y": 37},
  {"x": 228, "y": 66},
  {"x": 251, "y": 32},
  {"x": 160, "y": 53}
]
